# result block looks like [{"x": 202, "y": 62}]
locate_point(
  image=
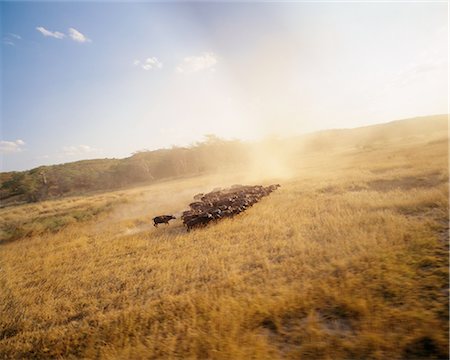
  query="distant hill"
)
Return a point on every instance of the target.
[
  {"x": 211, "y": 155},
  {"x": 407, "y": 129}
]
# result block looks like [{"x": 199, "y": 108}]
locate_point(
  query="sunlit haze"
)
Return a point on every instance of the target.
[{"x": 95, "y": 80}]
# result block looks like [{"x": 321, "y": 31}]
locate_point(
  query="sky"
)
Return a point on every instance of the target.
[{"x": 83, "y": 80}]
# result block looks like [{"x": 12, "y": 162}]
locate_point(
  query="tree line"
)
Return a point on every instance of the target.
[{"x": 79, "y": 177}]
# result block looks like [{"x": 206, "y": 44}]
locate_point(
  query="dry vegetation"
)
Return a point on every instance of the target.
[
  {"x": 347, "y": 260},
  {"x": 51, "y": 216}
]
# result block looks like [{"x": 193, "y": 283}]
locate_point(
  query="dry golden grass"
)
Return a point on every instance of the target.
[
  {"x": 51, "y": 216},
  {"x": 347, "y": 260}
]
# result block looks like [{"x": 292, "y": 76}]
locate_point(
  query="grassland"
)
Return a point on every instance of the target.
[{"x": 347, "y": 260}]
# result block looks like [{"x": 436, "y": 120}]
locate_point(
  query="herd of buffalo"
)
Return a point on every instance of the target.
[{"x": 219, "y": 204}]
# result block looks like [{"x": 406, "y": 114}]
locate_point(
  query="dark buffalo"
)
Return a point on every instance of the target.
[
  {"x": 162, "y": 219},
  {"x": 200, "y": 220},
  {"x": 223, "y": 203}
]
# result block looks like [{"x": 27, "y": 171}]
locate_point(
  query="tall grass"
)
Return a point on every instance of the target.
[
  {"x": 52, "y": 216},
  {"x": 347, "y": 260}
]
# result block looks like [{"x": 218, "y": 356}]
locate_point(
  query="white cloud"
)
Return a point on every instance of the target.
[
  {"x": 192, "y": 64},
  {"x": 54, "y": 34},
  {"x": 11, "y": 146},
  {"x": 78, "y": 150},
  {"x": 78, "y": 36},
  {"x": 149, "y": 63},
  {"x": 74, "y": 34},
  {"x": 10, "y": 38}
]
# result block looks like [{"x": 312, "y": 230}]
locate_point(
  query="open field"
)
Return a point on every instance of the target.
[{"x": 347, "y": 260}]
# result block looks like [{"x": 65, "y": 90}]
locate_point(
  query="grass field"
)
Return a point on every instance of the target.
[{"x": 347, "y": 260}]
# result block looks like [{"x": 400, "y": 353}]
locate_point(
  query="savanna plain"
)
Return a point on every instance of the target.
[{"x": 348, "y": 259}]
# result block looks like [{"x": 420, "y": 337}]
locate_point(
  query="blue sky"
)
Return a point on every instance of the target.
[{"x": 94, "y": 79}]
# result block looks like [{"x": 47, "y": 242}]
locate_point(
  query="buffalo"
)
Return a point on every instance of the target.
[
  {"x": 200, "y": 220},
  {"x": 162, "y": 219},
  {"x": 223, "y": 203}
]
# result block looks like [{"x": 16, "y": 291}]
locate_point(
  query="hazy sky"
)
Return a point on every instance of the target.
[{"x": 92, "y": 79}]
